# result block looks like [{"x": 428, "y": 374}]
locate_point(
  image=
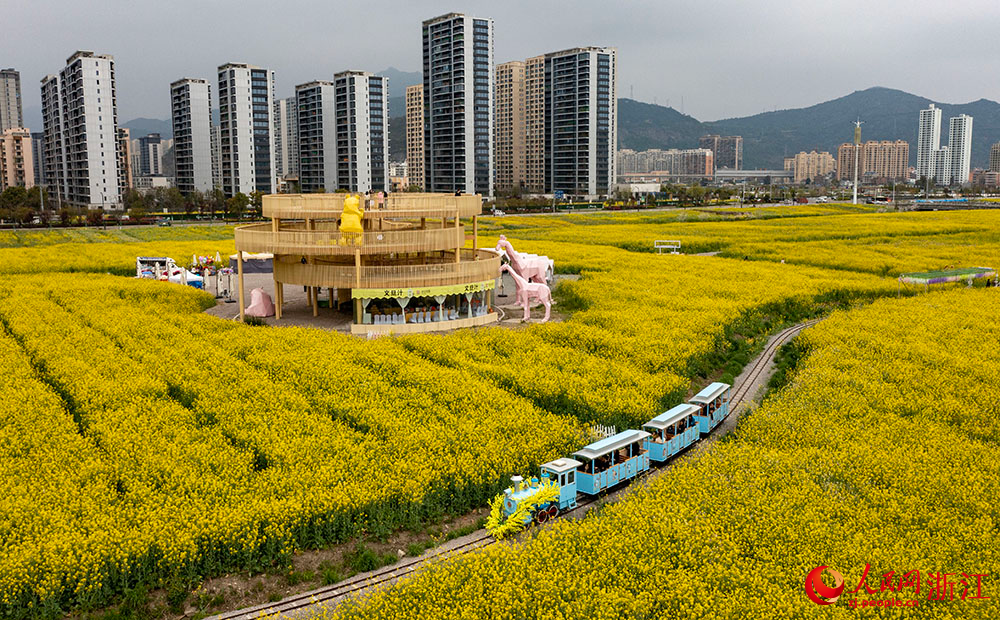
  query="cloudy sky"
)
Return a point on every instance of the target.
[{"x": 721, "y": 58}]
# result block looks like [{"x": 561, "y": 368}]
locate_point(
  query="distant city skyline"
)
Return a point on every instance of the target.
[{"x": 749, "y": 58}]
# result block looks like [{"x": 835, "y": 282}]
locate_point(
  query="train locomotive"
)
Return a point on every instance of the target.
[{"x": 608, "y": 462}]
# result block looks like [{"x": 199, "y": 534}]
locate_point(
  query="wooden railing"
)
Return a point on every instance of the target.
[
  {"x": 330, "y": 242},
  {"x": 330, "y": 206},
  {"x": 475, "y": 266}
]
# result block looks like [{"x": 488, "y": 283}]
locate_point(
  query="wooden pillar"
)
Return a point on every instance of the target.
[
  {"x": 239, "y": 270},
  {"x": 279, "y": 299},
  {"x": 333, "y": 301},
  {"x": 423, "y": 223},
  {"x": 461, "y": 239},
  {"x": 357, "y": 268},
  {"x": 475, "y": 232},
  {"x": 315, "y": 299}
]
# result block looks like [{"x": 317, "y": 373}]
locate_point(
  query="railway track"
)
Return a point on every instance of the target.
[{"x": 330, "y": 595}]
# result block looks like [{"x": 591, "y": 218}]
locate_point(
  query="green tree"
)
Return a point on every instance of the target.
[
  {"x": 238, "y": 204},
  {"x": 11, "y": 199},
  {"x": 256, "y": 204}
]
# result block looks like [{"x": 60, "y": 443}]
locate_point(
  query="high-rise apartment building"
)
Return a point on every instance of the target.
[
  {"x": 125, "y": 178},
  {"x": 37, "y": 161},
  {"x": 415, "y": 135},
  {"x": 10, "y": 100},
  {"x": 928, "y": 140},
  {"x": 877, "y": 160},
  {"x": 727, "y": 151},
  {"x": 458, "y": 104},
  {"x": 534, "y": 124},
  {"x": 81, "y": 131},
  {"x": 148, "y": 155},
  {"x": 317, "y": 139},
  {"x": 286, "y": 138},
  {"x": 17, "y": 166},
  {"x": 191, "y": 115},
  {"x": 508, "y": 126},
  {"x": 362, "y": 146},
  {"x": 810, "y": 166},
  {"x": 995, "y": 158},
  {"x": 246, "y": 129},
  {"x": 216, "y": 157},
  {"x": 960, "y": 149},
  {"x": 581, "y": 110}
]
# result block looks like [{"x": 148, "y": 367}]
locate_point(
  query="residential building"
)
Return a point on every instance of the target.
[
  {"x": 362, "y": 125},
  {"x": 16, "y": 162},
  {"x": 147, "y": 183},
  {"x": 677, "y": 164},
  {"x": 246, "y": 129},
  {"x": 942, "y": 166},
  {"x": 928, "y": 140},
  {"x": 877, "y": 160},
  {"x": 534, "y": 124},
  {"x": 581, "y": 121},
  {"x": 286, "y": 138},
  {"x": 37, "y": 161},
  {"x": 216, "y": 157},
  {"x": 995, "y": 158},
  {"x": 81, "y": 131},
  {"x": 317, "y": 136},
  {"x": 415, "y": 135},
  {"x": 985, "y": 178},
  {"x": 191, "y": 115},
  {"x": 458, "y": 104},
  {"x": 727, "y": 151},
  {"x": 960, "y": 147},
  {"x": 125, "y": 178},
  {"x": 810, "y": 167},
  {"x": 147, "y": 155},
  {"x": 10, "y": 100},
  {"x": 508, "y": 126}
]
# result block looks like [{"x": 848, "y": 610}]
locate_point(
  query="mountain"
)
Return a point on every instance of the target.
[
  {"x": 399, "y": 80},
  {"x": 768, "y": 138},
  {"x": 139, "y": 127}
]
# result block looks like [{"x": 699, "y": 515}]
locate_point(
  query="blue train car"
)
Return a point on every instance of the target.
[
  {"x": 672, "y": 431},
  {"x": 607, "y": 462},
  {"x": 563, "y": 473},
  {"x": 713, "y": 405}
]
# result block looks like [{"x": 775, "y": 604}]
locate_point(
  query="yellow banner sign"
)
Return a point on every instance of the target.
[{"x": 423, "y": 291}]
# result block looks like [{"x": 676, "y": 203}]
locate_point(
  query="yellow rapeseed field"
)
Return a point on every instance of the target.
[
  {"x": 881, "y": 454},
  {"x": 161, "y": 442}
]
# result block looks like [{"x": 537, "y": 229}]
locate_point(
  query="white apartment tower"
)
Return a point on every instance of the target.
[
  {"x": 216, "y": 157},
  {"x": 246, "y": 129},
  {"x": 10, "y": 100},
  {"x": 191, "y": 115},
  {"x": 286, "y": 138},
  {"x": 928, "y": 141},
  {"x": 362, "y": 131},
  {"x": 960, "y": 149},
  {"x": 458, "y": 104},
  {"x": 81, "y": 131},
  {"x": 581, "y": 121},
  {"x": 317, "y": 136}
]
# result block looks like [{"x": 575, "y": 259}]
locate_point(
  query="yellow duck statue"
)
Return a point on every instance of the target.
[{"x": 351, "y": 228}]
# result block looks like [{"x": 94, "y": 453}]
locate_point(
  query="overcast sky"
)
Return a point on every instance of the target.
[{"x": 723, "y": 58}]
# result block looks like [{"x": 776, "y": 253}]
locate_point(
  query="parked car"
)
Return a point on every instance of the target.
[{"x": 165, "y": 223}]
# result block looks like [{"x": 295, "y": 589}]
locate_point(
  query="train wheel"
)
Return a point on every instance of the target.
[
  {"x": 541, "y": 516},
  {"x": 554, "y": 511}
]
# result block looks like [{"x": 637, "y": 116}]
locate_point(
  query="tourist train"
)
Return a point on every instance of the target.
[{"x": 611, "y": 461}]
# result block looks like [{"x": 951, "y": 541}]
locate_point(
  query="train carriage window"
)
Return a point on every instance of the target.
[{"x": 571, "y": 477}]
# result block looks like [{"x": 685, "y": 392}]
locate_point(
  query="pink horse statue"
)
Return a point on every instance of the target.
[
  {"x": 531, "y": 270},
  {"x": 526, "y": 291}
]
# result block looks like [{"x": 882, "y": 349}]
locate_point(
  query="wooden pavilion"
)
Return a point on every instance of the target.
[{"x": 409, "y": 271}]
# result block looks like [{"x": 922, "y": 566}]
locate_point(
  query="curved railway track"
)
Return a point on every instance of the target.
[{"x": 330, "y": 595}]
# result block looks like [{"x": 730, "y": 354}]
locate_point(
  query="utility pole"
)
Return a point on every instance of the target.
[{"x": 857, "y": 155}]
